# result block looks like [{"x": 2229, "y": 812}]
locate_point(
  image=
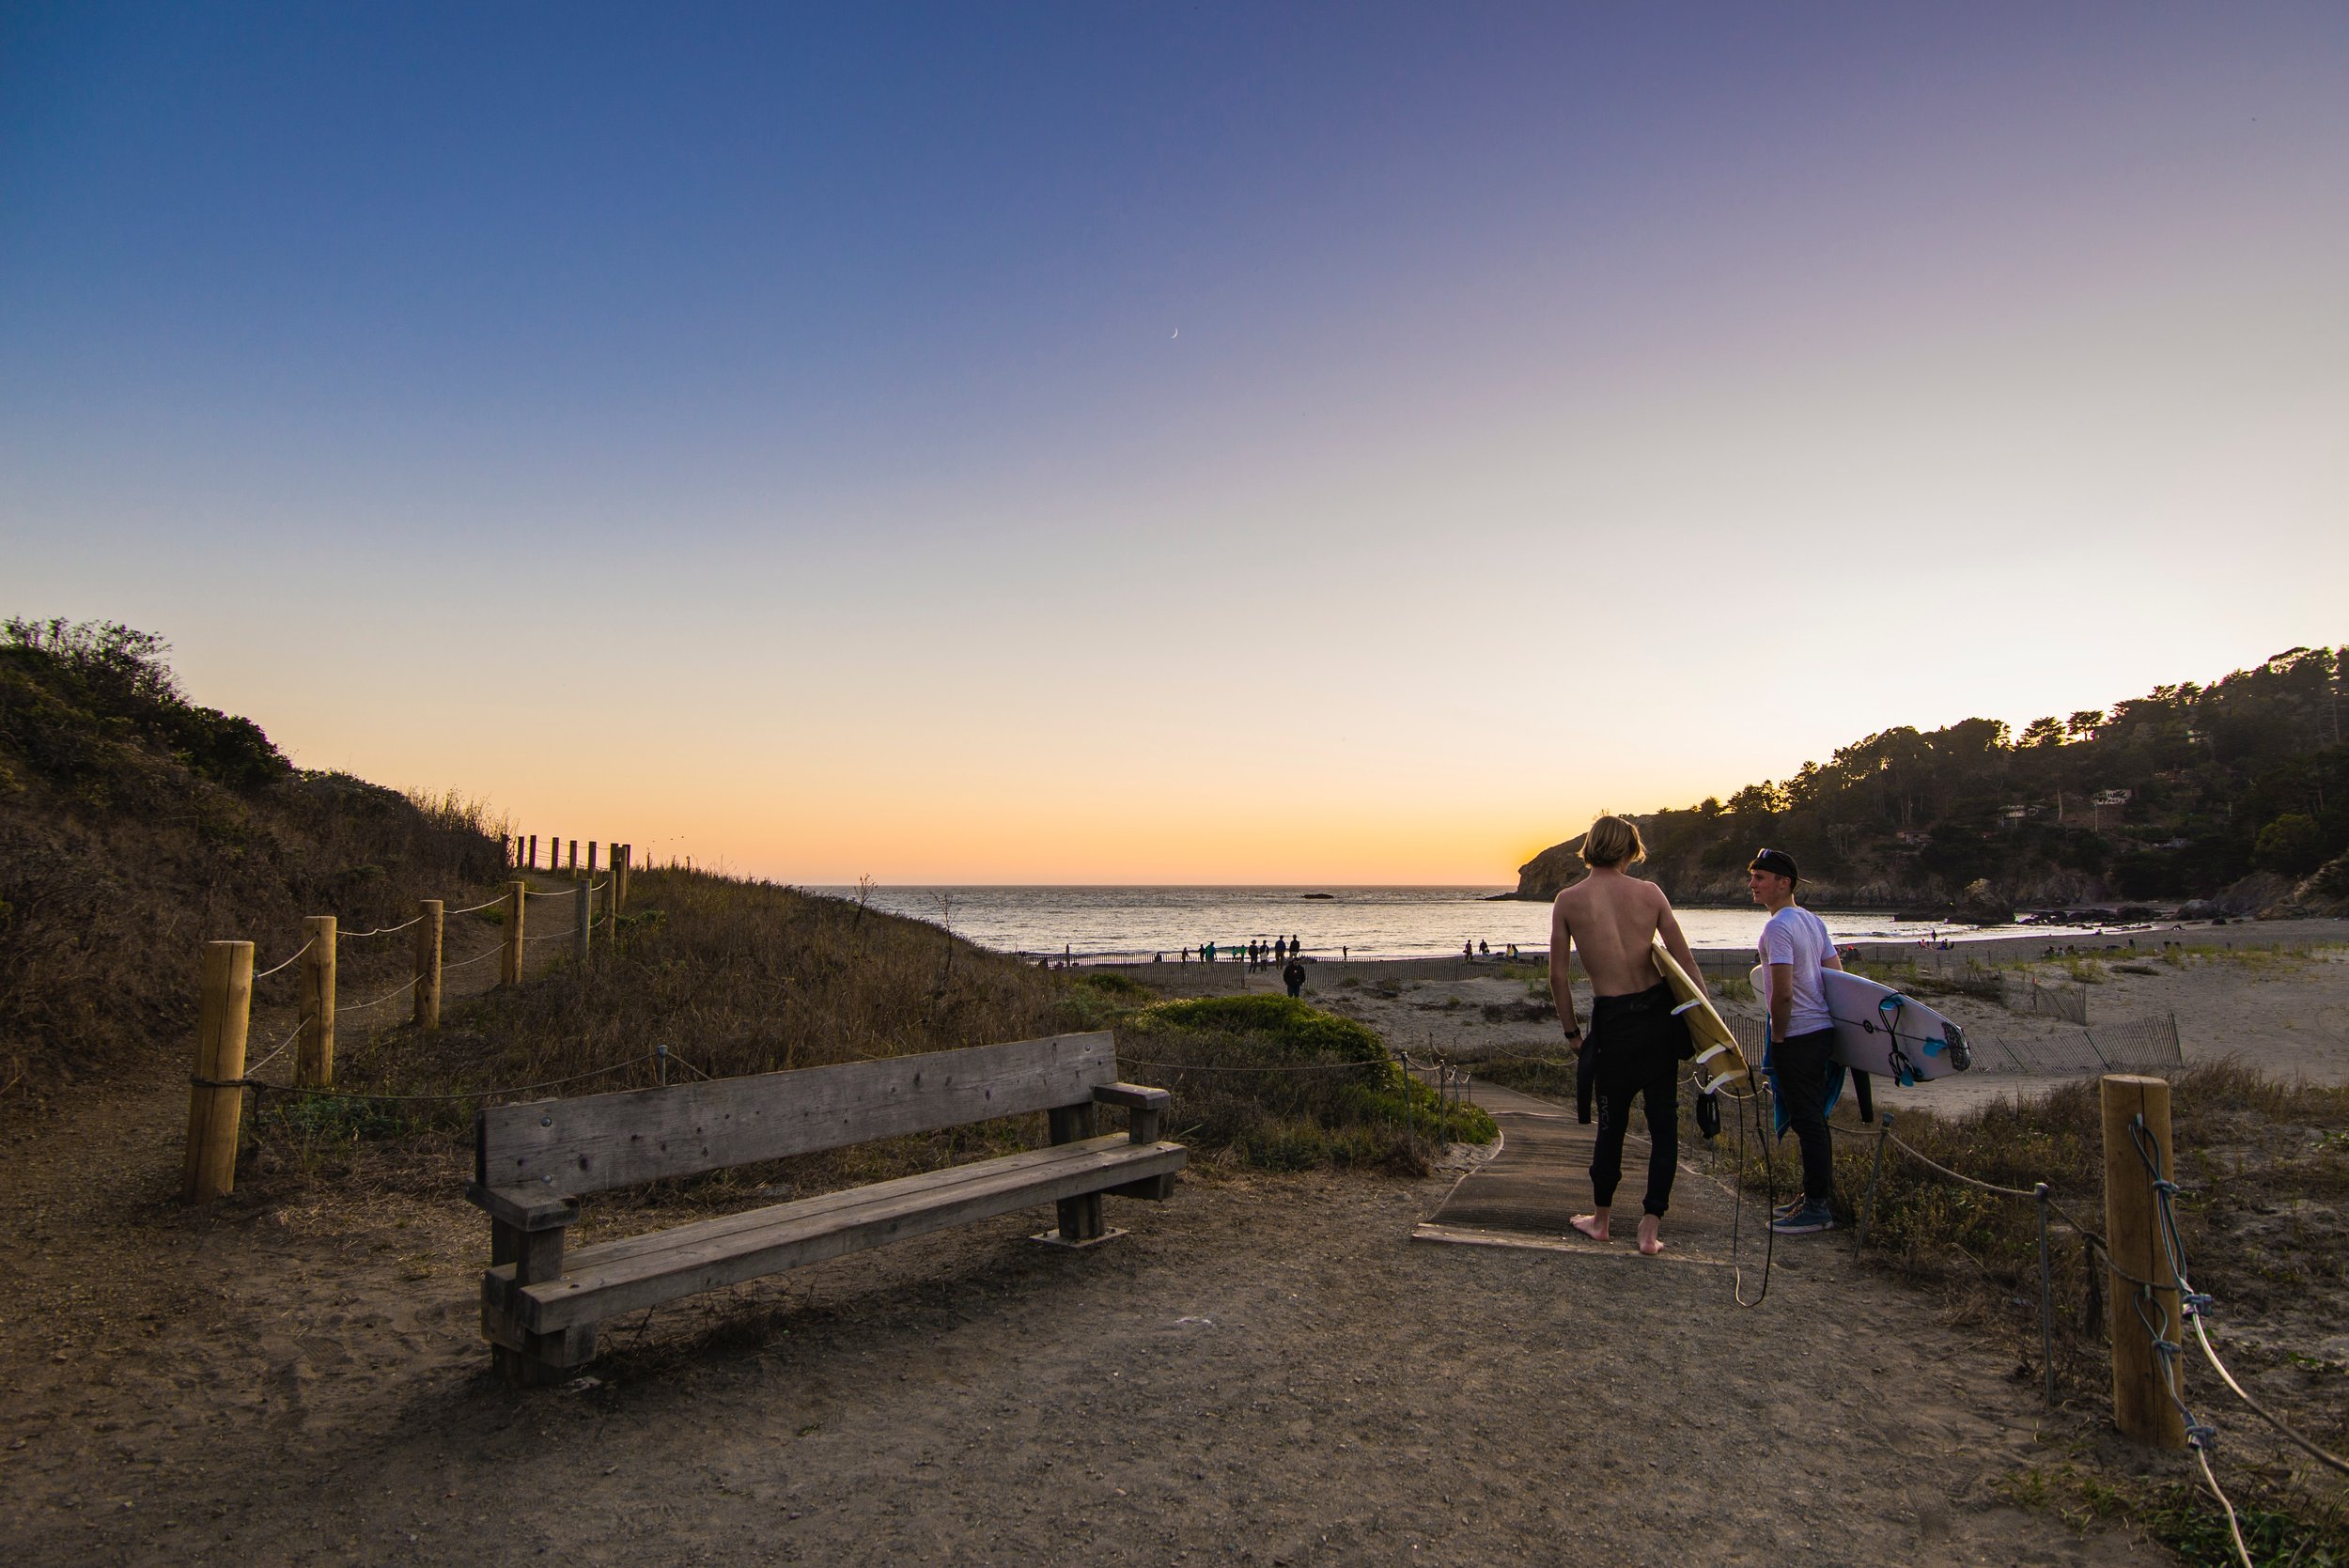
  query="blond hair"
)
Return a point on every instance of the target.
[{"x": 1612, "y": 842}]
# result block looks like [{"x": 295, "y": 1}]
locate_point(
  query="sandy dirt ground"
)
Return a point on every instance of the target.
[{"x": 1263, "y": 1370}]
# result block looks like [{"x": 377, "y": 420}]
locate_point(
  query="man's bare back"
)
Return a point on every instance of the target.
[{"x": 1610, "y": 920}]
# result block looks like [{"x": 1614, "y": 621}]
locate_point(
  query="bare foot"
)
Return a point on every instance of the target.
[
  {"x": 1592, "y": 1225},
  {"x": 1650, "y": 1243}
]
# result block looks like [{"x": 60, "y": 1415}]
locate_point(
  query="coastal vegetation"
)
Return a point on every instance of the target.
[
  {"x": 2235, "y": 791},
  {"x": 135, "y": 824},
  {"x": 2264, "y": 1173},
  {"x": 1278, "y": 1084}
]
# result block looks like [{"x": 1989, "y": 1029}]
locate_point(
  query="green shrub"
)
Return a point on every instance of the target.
[{"x": 1274, "y": 1083}]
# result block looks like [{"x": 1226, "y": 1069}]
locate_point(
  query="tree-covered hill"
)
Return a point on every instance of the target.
[{"x": 2187, "y": 792}]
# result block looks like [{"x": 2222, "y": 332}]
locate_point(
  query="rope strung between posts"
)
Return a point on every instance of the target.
[
  {"x": 2261, "y": 1410},
  {"x": 297, "y": 955},
  {"x": 468, "y": 963},
  {"x": 272, "y": 1056},
  {"x": 477, "y": 909},
  {"x": 250, "y": 1082},
  {"x": 401, "y": 989},
  {"x": 379, "y": 931},
  {"x": 2056, "y": 1210},
  {"x": 2192, "y": 1304}
]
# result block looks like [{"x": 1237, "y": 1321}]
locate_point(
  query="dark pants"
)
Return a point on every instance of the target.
[
  {"x": 1801, "y": 1064},
  {"x": 1639, "y": 1047}
]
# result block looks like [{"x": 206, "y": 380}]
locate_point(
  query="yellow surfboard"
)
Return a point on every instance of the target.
[{"x": 1718, "y": 1060}]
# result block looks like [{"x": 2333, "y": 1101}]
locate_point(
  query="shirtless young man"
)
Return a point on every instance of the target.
[{"x": 1610, "y": 920}]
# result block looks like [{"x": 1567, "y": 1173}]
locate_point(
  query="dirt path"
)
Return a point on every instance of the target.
[{"x": 1262, "y": 1372}]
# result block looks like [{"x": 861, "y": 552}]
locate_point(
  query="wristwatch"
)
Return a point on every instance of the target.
[{"x": 1574, "y": 1034}]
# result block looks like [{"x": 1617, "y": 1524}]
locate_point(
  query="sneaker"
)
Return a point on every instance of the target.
[
  {"x": 1808, "y": 1220},
  {"x": 1792, "y": 1205}
]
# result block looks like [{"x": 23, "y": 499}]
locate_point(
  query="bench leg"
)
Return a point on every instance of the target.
[
  {"x": 1080, "y": 1216},
  {"x": 524, "y": 1359}
]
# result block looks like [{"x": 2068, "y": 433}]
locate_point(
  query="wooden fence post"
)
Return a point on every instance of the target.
[
  {"x": 533, "y": 853},
  {"x": 223, "y": 1011},
  {"x": 623, "y": 856},
  {"x": 574, "y": 860},
  {"x": 584, "y": 916},
  {"x": 429, "y": 963},
  {"x": 2142, "y": 1406},
  {"x": 314, "y": 1054},
  {"x": 510, "y": 961}
]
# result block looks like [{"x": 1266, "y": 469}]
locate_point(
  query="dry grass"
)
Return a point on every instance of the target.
[
  {"x": 737, "y": 977},
  {"x": 135, "y": 825},
  {"x": 2265, "y": 1171}
]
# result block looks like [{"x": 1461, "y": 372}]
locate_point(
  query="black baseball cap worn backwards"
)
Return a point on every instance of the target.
[{"x": 1777, "y": 862}]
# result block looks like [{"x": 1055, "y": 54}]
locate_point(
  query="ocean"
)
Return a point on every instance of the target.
[{"x": 1135, "y": 922}]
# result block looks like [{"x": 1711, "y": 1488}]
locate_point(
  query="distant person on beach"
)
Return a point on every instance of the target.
[
  {"x": 1795, "y": 948},
  {"x": 1295, "y": 977},
  {"x": 1206, "y": 952},
  {"x": 1468, "y": 951},
  {"x": 1279, "y": 949},
  {"x": 1610, "y": 920}
]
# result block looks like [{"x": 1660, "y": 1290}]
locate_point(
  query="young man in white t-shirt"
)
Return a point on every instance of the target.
[{"x": 1795, "y": 947}]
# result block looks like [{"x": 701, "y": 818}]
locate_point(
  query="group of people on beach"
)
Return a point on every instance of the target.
[
  {"x": 1259, "y": 954},
  {"x": 1636, "y": 1043}
]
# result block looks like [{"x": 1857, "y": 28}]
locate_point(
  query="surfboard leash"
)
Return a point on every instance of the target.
[{"x": 1752, "y": 1106}]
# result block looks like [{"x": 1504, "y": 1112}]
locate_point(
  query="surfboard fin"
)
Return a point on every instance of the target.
[
  {"x": 1864, "y": 1094},
  {"x": 1709, "y": 1115}
]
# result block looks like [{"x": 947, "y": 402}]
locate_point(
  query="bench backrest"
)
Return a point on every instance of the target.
[{"x": 564, "y": 1148}]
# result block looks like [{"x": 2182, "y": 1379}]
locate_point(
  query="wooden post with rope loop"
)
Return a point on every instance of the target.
[
  {"x": 429, "y": 922},
  {"x": 314, "y": 1053},
  {"x": 2144, "y": 1406}
]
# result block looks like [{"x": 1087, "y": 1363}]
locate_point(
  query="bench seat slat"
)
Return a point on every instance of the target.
[
  {"x": 643, "y": 1271},
  {"x": 606, "y": 1255}
]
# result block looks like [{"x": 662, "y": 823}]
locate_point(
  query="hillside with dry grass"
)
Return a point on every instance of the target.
[{"x": 135, "y": 824}]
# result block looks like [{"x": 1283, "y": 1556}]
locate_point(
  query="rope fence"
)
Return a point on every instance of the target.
[
  {"x": 285, "y": 963},
  {"x": 221, "y": 1072},
  {"x": 2162, "y": 1329}
]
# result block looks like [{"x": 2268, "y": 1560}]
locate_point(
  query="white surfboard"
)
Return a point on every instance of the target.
[{"x": 1879, "y": 1031}]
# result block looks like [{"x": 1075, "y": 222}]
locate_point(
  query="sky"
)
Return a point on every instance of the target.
[{"x": 1215, "y": 443}]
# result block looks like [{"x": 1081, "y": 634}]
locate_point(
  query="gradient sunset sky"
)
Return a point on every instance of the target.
[{"x": 1079, "y": 443}]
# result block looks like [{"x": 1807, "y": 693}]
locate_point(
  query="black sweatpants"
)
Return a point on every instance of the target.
[
  {"x": 1640, "y": 1047},
  {"x": 1802, "y": 1062}
]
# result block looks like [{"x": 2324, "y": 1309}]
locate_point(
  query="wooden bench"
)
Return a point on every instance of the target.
[{"x": 532, "y": 1162}]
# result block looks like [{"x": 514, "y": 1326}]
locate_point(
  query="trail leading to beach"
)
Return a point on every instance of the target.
[{"x": 1263, "y": 1370}]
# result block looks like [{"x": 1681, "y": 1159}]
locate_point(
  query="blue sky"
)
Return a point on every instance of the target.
[{"x": 1063, "y": 442}]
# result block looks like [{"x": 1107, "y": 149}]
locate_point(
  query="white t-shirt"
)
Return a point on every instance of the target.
[{"x": 1797, "y": 938}]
